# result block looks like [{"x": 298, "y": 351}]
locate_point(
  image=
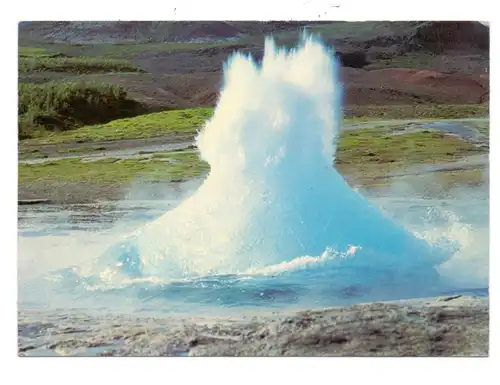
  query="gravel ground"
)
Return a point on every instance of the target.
[{"x": 446, "y": 326}]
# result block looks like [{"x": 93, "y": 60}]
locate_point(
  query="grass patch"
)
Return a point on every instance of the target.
[
  {"x": 77, "y": 65},
  {"x": 187, "y": 122},
  {"x": 33, "y": 52},
  {"x": 60, "y": 106},
  {"x": 368, "y": 150},
  {"x": 124, "y": 50},
  {"x": 144, "y": 126},
  {"x": 381, "y": 146},
  {"x": 182, "y": 167},
  {"x": 418, "y": 111}
]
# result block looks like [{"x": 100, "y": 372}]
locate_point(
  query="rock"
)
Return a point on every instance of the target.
[
  {"x": 356, "y": 59},
  {"x": 32, "y": 201},
  {"x": 440, "y": 36},
  {"x": 453, "y": 326}
]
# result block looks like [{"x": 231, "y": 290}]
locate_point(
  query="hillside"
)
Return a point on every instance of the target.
[{"x": 180, "y": 63}]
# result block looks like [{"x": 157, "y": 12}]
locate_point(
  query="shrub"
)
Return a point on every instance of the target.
[
  {"x": 61, "y": 106},
  {"x": 74, "y": 65}
]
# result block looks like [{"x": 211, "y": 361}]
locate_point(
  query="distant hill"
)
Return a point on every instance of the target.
[
  {"x": 404, "y": 36},
  {"x": 415, "y": 62},
  {"x": 146, "y": 31}
]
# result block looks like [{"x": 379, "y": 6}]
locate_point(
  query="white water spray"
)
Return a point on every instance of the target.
[{"x": 272, "y": 194}]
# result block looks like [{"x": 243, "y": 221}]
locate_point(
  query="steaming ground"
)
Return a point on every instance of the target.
[{"x": 272, "y": 226}]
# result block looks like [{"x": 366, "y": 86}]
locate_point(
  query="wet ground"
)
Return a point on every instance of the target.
[
  {"x": 143, "y": 204},
  {"x": 475, "y": 130},
  {"x": 139, "y": 151},
  {"x": 472, "y": 162},
  {"x": 59, "y": 219}
]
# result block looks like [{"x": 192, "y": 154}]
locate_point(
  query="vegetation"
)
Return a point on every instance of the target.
[
  {"x": 187, "y": 122},
  {"x": 368, "y": 153},
  {"x": 373, "y": 150},
  {"x": 176, "y": 167},
  {"x": 369, "y": 146},
  {"x": 78, "y": 65},
  {"x": 417, "y": 111},
  {"x": 144, "y": 126},
  {"x": 53, "y": 107},
  {"x": 30, "y": 52},
  {"x": 122, "y": 50}
]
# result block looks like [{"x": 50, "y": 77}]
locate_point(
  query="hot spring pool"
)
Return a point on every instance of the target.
[{"x": 53, "y": 238}]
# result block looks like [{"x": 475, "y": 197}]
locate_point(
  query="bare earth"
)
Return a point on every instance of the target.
[{"x": 447, "y": 326}]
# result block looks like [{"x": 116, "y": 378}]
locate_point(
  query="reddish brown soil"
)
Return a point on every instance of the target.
[
  {"x": 193, "y": 78},
  {"x": 409, "y": 86}
]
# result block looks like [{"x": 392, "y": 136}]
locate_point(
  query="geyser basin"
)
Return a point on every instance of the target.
[
  {"x": 272, "y": 194},
  {"x": 273, "y": 223}
]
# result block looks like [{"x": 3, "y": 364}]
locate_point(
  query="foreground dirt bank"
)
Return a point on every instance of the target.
[{"x": 448, "y": 326}]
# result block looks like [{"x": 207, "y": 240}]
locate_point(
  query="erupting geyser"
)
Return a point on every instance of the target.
[{"x": 272, "y": 200}]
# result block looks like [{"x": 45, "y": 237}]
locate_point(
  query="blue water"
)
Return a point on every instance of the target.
[
  {"x": 48, "y": 243},
  {"x": 272, "y": 225}
]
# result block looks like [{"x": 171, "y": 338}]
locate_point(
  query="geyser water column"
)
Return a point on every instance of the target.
[{"x": 272, "y": 194}]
